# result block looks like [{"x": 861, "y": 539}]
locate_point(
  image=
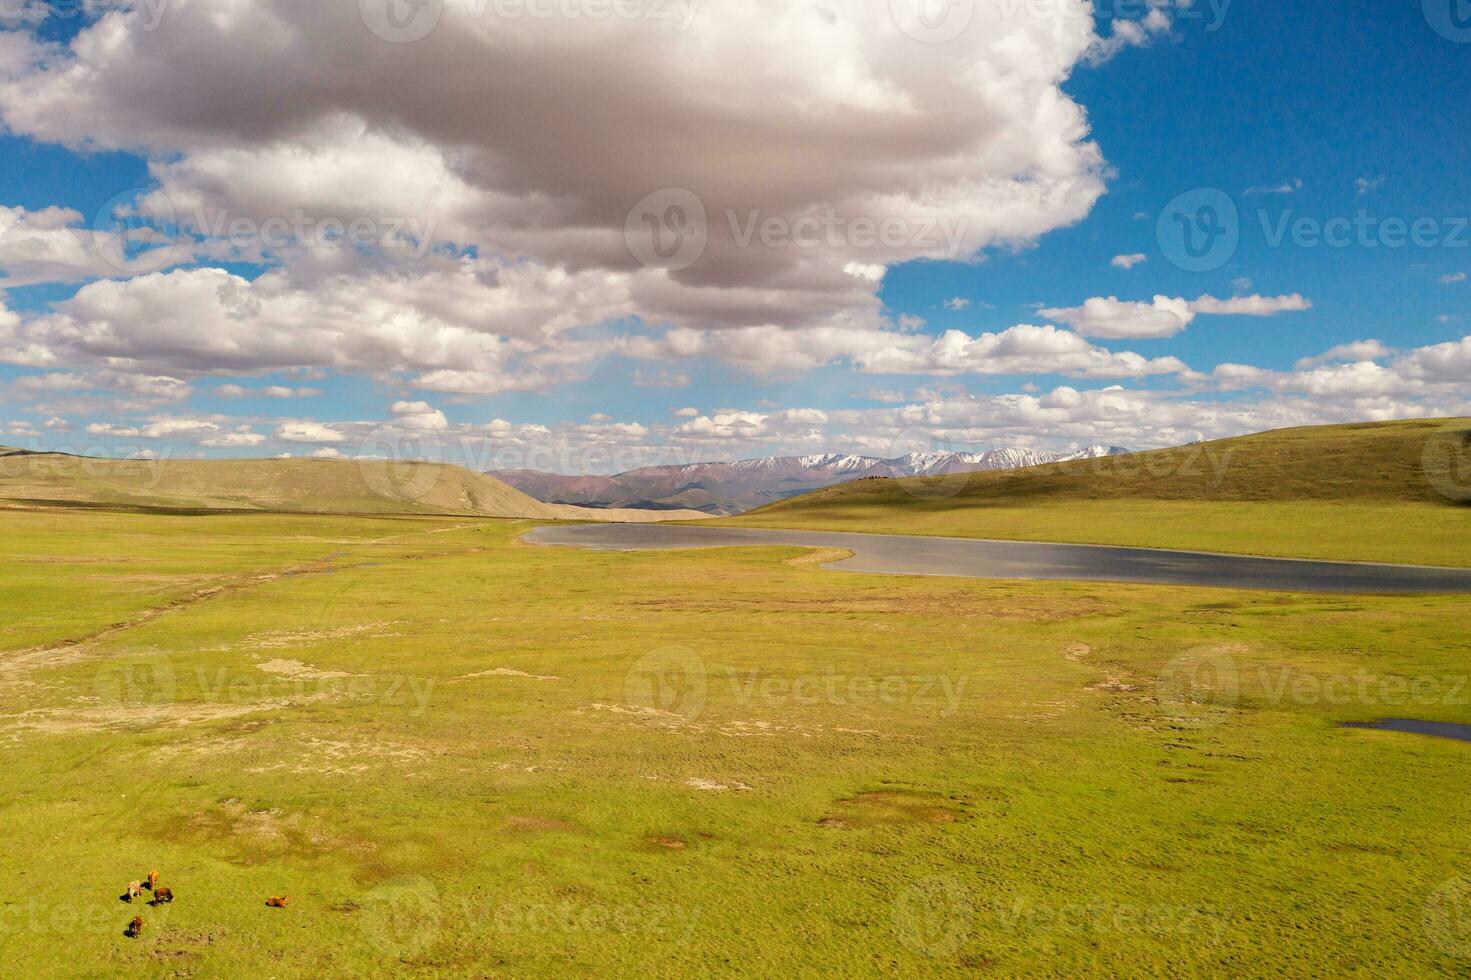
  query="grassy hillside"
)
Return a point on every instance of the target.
[
  {"x": 700, "y": 763},
  {"x": 283, "y": 485},
  {"x": 1392, "y": 491}
]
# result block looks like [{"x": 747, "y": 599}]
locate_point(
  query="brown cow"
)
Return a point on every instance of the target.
[
  {"x": 135, "y": 928},
  {"x": 278, "y": 901},
  {"x": 161, "y": 895},
  {"x": 152, "y": 879}
]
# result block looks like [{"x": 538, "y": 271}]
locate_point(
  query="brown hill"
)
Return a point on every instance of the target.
[{"x": 289, "y": 485}]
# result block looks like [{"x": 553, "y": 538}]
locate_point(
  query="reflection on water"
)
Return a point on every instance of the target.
[
  {"x": 899, "y": 554},
  {"x": 1439, "y": 729}
]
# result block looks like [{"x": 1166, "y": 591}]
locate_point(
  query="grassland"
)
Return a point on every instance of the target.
[
  {"x": 1395, "y": 492},
  {"x": 459, "y": 755}
]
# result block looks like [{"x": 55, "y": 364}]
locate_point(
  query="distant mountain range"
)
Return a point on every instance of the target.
[{"x": 733, "y": 488}]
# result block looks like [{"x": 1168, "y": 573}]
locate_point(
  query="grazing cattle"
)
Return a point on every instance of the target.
[
  {"x": 161, "y": 895},
  {"x": 277, "y": 901},
  {"x": 135, "y": 890},
  {"x": 152, "y": 879},
  {"x": 135, "y": 928}
]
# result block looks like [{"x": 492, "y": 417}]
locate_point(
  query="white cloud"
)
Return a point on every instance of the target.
[
  {"x": 53, "y": 246},
  {"x": 271, "y": 391},
  {"x": 1366, "y": 185},
  {"x": 419, "y": 415},
  {"x": 1132, "y": 34},
  {"x": 727, "y": 425},
  {"x": 1452, "y": 278},
  {"x": 1022, "y": 349},
  {"x": 1019, "y": 350},
  {"x": 309, "y": 432},
  {"x": 1445, "y": 364},
  {"x": 233, "y": 440},
  {"x": 1287, "y": 187},
  {"x": 1251, "y": 305},
  {"x": 1358, "y": 350},
  {"x": 431, "y": 325},
  {"x": 471, "y": 136},
  {"x": 179, "y": 428},
  {"x": 1128, "y": 261},
  {"x": 957, "y": 304},
  {"x": 1117, "y": 319},
  {"x": 115, "y": 431},
  {"x": 1354, "y": 382}
]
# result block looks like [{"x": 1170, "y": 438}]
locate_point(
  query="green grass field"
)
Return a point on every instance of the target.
[
  {"x": 1393, "y": 492},
  {"x": 459, "y": 755}
]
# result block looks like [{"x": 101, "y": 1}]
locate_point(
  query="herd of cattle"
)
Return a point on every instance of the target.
[{"x": 162, "y": 896}]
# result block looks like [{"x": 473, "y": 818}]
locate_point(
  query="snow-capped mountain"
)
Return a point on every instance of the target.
[{"x": 731, "y": 488}]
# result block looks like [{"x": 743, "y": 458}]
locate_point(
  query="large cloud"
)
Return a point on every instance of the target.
[
  {"x": 1019, "y": 350},
  {"x": 471, "y": 325},
  {"x": 538, "y": 137}
]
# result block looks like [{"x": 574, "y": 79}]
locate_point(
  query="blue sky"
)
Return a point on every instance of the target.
[{"x": 508, "y": 321}]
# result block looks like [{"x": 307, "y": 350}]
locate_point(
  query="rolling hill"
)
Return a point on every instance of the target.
[
  {"x": 1375, "y": 491},
  {"x": 282, "y": 485}
]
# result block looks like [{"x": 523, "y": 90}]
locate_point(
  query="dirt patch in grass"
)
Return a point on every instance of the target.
[
  {"x": 54, "y": 560},
  {"x": 297, "y": 670},
  {"x": 506, "y": 672},
  {"x": 956, "y": 606},
  {"x": 666, "y": 842},
  {"x": 537, "y": 825},
  {"x": 93, "y": 720},
  {"x": 328, "y": 757},
  {"x": 257, "y": 835},
  {"x": 893, "y": 808},
  {"x": 1114, "y": 685},
  {"x": 286, "y": 639},
  {"x": 714, "y": 785},
  {"x": 822, "y": 556}
]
